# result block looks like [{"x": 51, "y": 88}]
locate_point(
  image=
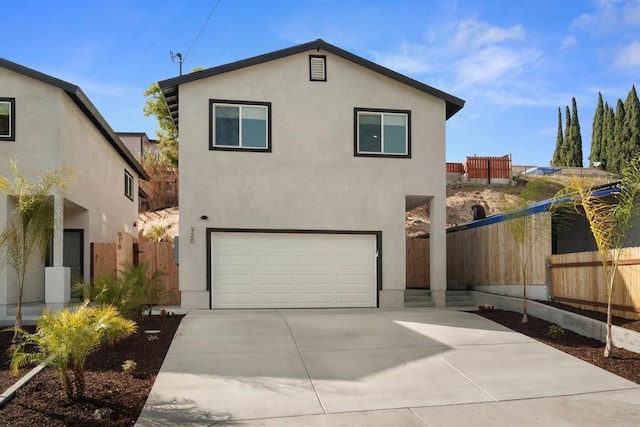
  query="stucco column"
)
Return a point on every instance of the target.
[
  {"x": 58, "y": 231},
  {"x": 438, "y": 250},
  {"x": 57, "y": 279}
]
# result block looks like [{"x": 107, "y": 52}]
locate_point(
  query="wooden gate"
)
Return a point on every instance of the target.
[{"x": 109, "y": 257}]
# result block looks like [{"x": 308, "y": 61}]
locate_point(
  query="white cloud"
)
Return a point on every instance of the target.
[
  {"x": 610, "y": 16},
  {"x": 407, "y": 59},
  {"x": 475, "y": 34},
  {"x": 403, "y": 63},
  {"x": 631, "y": 13},
  {"x": 568, "y": 41},
  {"x": 629, "y": 56},
  {"x": 492, "y": 64}
]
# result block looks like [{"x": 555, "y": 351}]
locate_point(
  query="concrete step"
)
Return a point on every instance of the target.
[
  {"x": 459, "y": 299},
  {"x": 419, "y": 304},
  {"x": 460, "y": 304},
  {"x": 418, "y": 298}
]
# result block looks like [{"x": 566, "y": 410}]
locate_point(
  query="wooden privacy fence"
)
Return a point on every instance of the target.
[
  {"x": 577, "y": 280},
  {"x": 109, "y": 257},
  {"x": 455, "y": 167},
  {"x": 488, "y": 255},
  {"x": 488, "y": 167},
  {"x": 417, "y": 263}
]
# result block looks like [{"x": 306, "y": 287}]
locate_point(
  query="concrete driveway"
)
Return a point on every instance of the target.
[{"x": 411, "y": 367}]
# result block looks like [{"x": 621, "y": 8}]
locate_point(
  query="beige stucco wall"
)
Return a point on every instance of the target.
[
  {"x": 311, "y": 179},
  {"x": 52, "y": 131}
]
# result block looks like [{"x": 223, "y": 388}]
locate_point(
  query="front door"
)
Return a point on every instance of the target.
[{"x": 73, "y": 256}]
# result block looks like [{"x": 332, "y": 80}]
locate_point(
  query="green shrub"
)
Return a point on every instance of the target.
[
  {"x": 68, "y": 337},
  {"x": 129, "y": 366},
  {"x": 132, "y": 291},
  {"x": 555, "y": 332}
]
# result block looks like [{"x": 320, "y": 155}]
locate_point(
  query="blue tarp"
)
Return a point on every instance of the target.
[{"x": 541, "y": 170}]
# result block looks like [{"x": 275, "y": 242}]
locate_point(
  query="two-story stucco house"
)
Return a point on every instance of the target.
[
  {"x": 297, "y": 167},
  {"x": 46, "y": 123},
  {"x": 139, "y": 144}
]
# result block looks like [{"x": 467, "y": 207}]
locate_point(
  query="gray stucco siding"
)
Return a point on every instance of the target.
[{"x": 311, "y": 179}]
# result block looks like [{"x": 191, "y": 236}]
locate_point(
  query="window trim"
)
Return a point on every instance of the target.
[
  {"x": 128, "y": 185},
  {"x": 214, "y": 102},
  {"x": 12, "y": 120},
  {"x": 324, "y": 66},
  {"x": 382, "y": 111}
]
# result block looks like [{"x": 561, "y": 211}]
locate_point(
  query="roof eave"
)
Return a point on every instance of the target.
[
  {"x": 170, "y": 86},
  {"x": 86, "y": 106}
]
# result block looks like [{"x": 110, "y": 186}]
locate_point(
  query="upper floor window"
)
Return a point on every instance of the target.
[
  {"x": 128, "y": 184},
  {"x": 239, "y": 125},
  {"x": 7, "y": 119},
  {"x": 382, "y": 133}
]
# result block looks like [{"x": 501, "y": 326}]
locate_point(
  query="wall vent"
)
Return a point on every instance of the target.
[{"x": 318, "y": 68}]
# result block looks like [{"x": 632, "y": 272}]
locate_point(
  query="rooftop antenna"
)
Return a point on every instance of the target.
[{"x": 173, "y": 59}]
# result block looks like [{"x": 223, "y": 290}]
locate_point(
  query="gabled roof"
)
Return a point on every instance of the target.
[
  {"x": 169, "y": 87},
  {"x": 85, "y": 105}
]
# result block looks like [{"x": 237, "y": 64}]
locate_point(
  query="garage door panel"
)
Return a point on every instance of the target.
[
  {"x": 235, "y": 299},
  {"x": 235, "y": 260},
  {"x": 234, "y": 279},
  {"x": 354, "y": 260},
  {"x": 293, "y": 270},
  {"x": 354, "y": 280},
  {"x": 315, "y": 279},
  {"x": 353, "y": 298},
  {"x": 325, "y": 260},
  {"x": 286, "y": 298},
  {"x": 318, "y": 298}
]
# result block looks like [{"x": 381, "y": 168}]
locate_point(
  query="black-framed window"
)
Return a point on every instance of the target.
[
  {"x": 239, "y": 125},
  {"x": 7, "y": 119},
  {"x": 317, "y": 68},
  {"x": 384, "y": 133},
  {"x": 128, "y": 185}
]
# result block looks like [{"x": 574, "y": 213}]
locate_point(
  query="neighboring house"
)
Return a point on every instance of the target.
[
  {"x": 139, "y": 144},
  {"x": 297, "y": 168},
  {"x": 52, "y": 123}
]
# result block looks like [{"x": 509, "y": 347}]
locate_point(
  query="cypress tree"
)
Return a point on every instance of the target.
[
  {"x": 632, "y": 124},
  {"x": 567, "y": 146},
  {"x": 607, "y": 148},
  {"x": 596, "y": 134},
  {"x": 575, "y": 159},
  {"x": 619, "y": 139},
  {"x": 557, "y": 153}
]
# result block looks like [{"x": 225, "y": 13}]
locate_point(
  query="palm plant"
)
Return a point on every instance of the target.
[
  {"x": 521, "y": 225},
  {"x": 31, "y": 226},
  {"x": 608, "y": 222},
  {"x": 132, "y": 290},
  {"x": 68, "y": 337}
]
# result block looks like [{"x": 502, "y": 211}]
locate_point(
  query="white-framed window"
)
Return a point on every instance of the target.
[
  {"x": 239, "y": 125},
  {"x": 382, "y": 132},
  {"x": 7, "y": 119},
  {"x": 128, "y": 185}
]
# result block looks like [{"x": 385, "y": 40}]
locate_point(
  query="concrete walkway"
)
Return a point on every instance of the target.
[{"x": 364, "y": 367}]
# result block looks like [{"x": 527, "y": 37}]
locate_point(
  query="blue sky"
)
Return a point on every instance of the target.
[{"x": 514, "y": 62}]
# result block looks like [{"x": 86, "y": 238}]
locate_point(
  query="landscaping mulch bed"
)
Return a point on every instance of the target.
[
  {"x": 112, "y": 397},
  {"x": 621, "y": 362}
]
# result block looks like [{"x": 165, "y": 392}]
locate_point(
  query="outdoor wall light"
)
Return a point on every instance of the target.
[{"x": 204, "y": 217}]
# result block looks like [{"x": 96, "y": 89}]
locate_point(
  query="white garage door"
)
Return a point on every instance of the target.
[{"x": 279, "y": 270}]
